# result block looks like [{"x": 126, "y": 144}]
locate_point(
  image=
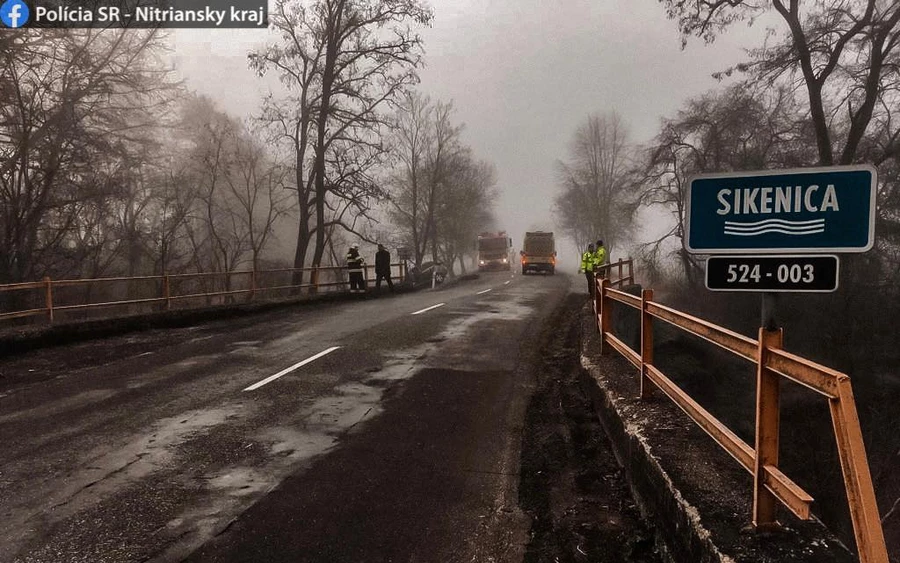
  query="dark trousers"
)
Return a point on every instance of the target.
[
  {"x": 589, "y": 276},
  {"x": 386, "y": 277},
  {"x": 357, "y": 282}
]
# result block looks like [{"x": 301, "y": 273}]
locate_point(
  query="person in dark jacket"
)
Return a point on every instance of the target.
[
  {"x": 383, "y": 268},
  {"x": 355, "y": 265}
]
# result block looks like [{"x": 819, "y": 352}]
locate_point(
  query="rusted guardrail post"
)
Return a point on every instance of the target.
[
  {"x": 646, "y": 343},
  {"x": 619, "y": 273},
  {"x": 167, "y": 292},
  {"x": 606, "y": 306},
  {"x": 767, "y": 414},
  {"x": 857, "y": 479},
  {"x": 48, "y": 297}
]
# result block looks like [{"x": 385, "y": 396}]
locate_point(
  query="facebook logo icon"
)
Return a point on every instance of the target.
[{"x": 14, "y": 13}]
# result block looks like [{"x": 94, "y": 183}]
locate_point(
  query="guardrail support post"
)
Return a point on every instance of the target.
[
  {"x": 619, "y": 266},
  {"x": 48, "y": 297},
  {"x": 630, "y": 263},
  {"x": 867, "y": 528},
  {"x": 606, "y": 306},
  {"x": 167, "y": 291},
  {"x": 314, "y": 279},
  {"x": 646, "y": 343},
  {"x": 252, "y": 283},
  {"x": 767, "y": 415}
]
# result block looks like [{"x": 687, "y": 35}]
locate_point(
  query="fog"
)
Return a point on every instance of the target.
[{"x": 522, "y": 74}]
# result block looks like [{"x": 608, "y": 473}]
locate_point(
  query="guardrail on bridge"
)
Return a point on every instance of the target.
[
  {"x": 47, "y": 297},
  {"x": 772, "y": 362}
]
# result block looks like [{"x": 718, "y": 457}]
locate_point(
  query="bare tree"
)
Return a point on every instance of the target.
[
  {"x": 408, "y": 199},
  {"x": 843, "y": 53},
  {"x": 297, "y": 59},
  {"x": 597, "y": 183},
  {"x": 737, "y": 129},
  {"x": 465, "y": 207},
  {"x": 256, "y": 186},
  {"x": 429, "y": 147},
  {"x": 345, "y": 59},
  {"x": 74, "y": 103}
]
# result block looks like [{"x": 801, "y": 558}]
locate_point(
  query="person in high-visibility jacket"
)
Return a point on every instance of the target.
[
  {"x": 599, "y": 256},
  {"x": 355, "y": 265},
  {"x": 587, "y": 267}
]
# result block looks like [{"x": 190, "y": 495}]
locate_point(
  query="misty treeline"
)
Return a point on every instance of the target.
[
  {"x": 823, "y": 89},
  {"x": 110, "y": 166}
]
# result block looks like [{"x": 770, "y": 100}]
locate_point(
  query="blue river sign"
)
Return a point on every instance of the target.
[{"x": 828, "y": 209}]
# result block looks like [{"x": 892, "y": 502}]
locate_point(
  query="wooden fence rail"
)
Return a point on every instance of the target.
[
  {"x": 770, "y": 485},
  {"x": 44, "y": 298}
]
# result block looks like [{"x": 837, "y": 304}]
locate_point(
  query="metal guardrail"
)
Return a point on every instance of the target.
[
  {"x": 45, "y": 300},
  {"x": 772, "y": 362}
]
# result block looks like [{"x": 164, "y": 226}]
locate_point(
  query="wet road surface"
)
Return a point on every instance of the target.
[{"x": 379, "y": 430}]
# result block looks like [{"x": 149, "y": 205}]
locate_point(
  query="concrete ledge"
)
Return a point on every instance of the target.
[{"x": 694, "y": 494}]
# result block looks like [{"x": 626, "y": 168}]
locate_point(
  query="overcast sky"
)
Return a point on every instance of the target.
[{"x": 523, "y": 74}]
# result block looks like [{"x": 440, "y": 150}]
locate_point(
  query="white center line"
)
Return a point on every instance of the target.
[
  {"x": 506, "y": 283},
  {"x": 272, "y": 378},
  {"x": 485, "y": 291},
  {"x": 429, "y": 308}
]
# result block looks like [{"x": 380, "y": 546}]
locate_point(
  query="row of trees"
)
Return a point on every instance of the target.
[
  {"x": 441, "y": 195},
  {"x": 108, "y": 166}
]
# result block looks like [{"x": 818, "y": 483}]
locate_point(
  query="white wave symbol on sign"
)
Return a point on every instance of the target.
[{"x": 781, "y": 226}]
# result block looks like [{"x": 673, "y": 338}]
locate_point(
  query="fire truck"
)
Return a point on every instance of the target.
[{"x": 494, "y": 251}]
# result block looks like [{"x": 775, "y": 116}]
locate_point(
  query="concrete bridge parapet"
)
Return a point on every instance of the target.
[{"x": 698, "y": 499}]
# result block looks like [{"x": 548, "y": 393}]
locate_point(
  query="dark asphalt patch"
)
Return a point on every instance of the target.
[{"x": 413, "y": 484}]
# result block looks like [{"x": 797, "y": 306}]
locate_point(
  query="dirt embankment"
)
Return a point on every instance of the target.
[{"x": 571, "y": 485}]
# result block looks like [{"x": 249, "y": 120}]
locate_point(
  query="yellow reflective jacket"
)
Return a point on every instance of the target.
[
  {"x": 600, "y": 256},
  {"x": 587, "y": 261}
]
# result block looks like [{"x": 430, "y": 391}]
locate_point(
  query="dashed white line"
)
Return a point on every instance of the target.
[
  {"x": 272, "y": 378},
  {"x": 429, "y": 308},
  {"x": 506, "y": 283},
  {"x": 485, "y": 291}
]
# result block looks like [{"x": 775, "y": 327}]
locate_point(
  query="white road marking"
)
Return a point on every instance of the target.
[
  {"x": 272, "y": 378},
  {"x": 485, "y": 291},
  {"x": 429, "y": 308},
  {"x": 506, "y": 283}
]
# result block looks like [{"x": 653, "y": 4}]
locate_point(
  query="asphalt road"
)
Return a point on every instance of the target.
[{"x": 375, "y": 430}]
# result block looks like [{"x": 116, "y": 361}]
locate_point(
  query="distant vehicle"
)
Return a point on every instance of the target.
[
  {"x": 538, "y": 252},
  {"x": 494, "y": 251}
]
